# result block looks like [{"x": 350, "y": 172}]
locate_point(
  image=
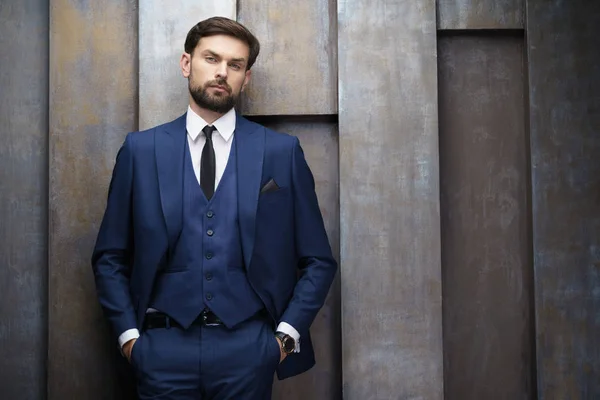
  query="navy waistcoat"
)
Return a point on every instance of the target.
[{"x": 206, "y": 268}]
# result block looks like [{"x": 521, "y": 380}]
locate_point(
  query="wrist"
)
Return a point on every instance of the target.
[
  {"x": 127, "y": 347},
  {"x": 286, "y": 342}
]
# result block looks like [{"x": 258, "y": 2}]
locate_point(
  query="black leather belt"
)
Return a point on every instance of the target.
[{"x": 160, "y": 320}]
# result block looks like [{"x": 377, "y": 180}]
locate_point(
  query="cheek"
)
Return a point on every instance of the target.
[
  {"x": 198, "y": 73},
  {"x": 237, "y": 83}
]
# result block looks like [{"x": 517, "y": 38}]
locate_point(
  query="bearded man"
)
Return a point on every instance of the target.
[{"x": 212, "y": 260}]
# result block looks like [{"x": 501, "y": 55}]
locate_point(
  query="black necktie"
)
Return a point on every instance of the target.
[{"x": 207, "y": 165}]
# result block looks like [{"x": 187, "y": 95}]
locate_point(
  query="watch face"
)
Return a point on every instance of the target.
[{"x": 288, "y": 344}]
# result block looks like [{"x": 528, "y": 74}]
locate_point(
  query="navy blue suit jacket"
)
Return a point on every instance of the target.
[{"x": 282, "y": 231}]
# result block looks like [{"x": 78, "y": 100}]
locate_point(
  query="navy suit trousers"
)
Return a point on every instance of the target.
[{"x": 207, "y": 362}]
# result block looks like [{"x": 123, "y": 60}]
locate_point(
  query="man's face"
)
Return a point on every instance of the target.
[{"x": 216, "y": 72}]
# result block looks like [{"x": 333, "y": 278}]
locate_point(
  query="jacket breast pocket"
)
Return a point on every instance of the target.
[
  {"x": 275, "y": 203},
  {"x": 280, "y": 194}
]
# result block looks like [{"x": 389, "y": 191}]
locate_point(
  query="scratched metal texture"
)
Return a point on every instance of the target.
[
  {"x": 318, "y": 137},
  {"x": 93, "y": 104},
  {"x": 481, "y": 14},
  {"x": 389, "y": 200},
  {"x": 163, "y": 28},
  {"x": 23, "y": 198},
  {"x": 564, "y": 80},
  {"x": 486, "y": 258},
  {"x": 296, "y": 71}
]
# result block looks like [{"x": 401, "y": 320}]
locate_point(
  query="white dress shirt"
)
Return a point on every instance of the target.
[{"x": 222, "y": 140}]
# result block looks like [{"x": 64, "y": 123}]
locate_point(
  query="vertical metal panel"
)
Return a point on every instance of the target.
[
  {"x": 162, "y": 32},
  {"x": 564, "y": 71},
  {"x": 23, "y": 197},
  {"x": 389, "y": 200},
  {"x": 319, "y": 139},
  {"x": 296, "y": 72},
  {"x": 486, "y": 258},
  {"x": 93, "y": 88},
  {"x": 481, "y": 14}
]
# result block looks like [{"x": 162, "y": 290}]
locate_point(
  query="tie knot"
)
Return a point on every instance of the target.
[{"x": 208, "y": 131}]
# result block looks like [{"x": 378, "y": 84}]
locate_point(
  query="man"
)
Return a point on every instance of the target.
[{"x": 208, "y": 221}]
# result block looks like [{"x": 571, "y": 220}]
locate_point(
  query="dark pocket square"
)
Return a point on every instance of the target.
[{"x": 270, "y": 186}]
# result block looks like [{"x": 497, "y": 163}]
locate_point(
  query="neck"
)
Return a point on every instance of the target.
[{"x": 207, "y": 115}]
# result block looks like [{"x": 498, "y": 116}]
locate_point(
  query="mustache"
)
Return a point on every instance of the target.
[{"x": 218, "y": 82}]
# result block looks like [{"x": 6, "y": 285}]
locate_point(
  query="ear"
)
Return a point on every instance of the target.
[
  {"x": 246, "y": 79},
  {"x": 186, "y": 64}
]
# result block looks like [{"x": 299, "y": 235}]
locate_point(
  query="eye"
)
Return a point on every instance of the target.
[
  {"x": 235, "y": 67},
  {"x": 210, "y": 59}
]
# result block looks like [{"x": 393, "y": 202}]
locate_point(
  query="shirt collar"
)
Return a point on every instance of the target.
[{"x": 225, "y": 124}]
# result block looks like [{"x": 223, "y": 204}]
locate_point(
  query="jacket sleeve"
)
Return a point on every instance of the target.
[
  {"x": 113, "y": 253},
  {"x": 315, "y": 260}
]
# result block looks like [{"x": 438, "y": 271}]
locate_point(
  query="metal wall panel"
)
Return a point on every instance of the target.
[
  {"x": 389, "y": 200},
  {"x": 486, "y": 257},
  {"x": 564, "y": 71},
  {"x": 23, "y": 197},
  {"x": 93, "y": 104},
  {"x": 296, "y": 72},
  {"x": 162, "y": 32},
  {"x": 481, "y": 14},
  {"x": 319, "y": 140}
]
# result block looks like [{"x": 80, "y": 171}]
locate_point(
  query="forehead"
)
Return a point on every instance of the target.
[{"x": 223, "y": 45}]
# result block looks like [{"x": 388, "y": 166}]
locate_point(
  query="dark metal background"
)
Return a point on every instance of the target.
[
  {"x": 93, "y": 93},
  {"x": 481, "y": 14},
  {"x": 23, "y": 198},
  {"x": 486, "y": 257},
  {"x": 520, "y": 211},
  {"x": 389, "y": 201},
  {"x": 296, "y": 72},
  {"x": 564, "y": 82}
]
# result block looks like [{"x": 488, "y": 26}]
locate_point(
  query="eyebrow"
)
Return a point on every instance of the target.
[{"x": 212, "y": 53}]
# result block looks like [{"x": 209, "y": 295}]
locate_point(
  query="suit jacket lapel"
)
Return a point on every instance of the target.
[
  {"x": 169, "y": 146},
  {"x": 250, "y": 147}
]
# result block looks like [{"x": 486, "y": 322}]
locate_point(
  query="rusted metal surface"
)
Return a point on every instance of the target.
[
  {"x": 481, "y": 14},
  {"x": 162, "y": 31},
  {"x": 486, "y": 256},
  {"x": 93, "y": 104},
  {"x": 564, "y": 79},
  {"x": 319, "y": 139},
  {"x": 23, "y": 198},
  {"x": 296, "y": 72},
  {"x": 389, "y": 200}
]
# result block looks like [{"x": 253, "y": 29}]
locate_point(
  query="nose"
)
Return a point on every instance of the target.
[{"x": 221, "y": 71}]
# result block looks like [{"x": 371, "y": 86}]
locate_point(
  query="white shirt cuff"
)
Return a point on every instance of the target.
[
  {"x": 127, "y": 336},
  {"x": 290, "y": 330}
]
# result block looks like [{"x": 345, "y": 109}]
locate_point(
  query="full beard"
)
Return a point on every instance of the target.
[{"x": 218, "y": 103}]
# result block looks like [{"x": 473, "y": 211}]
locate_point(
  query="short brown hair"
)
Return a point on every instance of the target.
[{"x": 222, "y": 26}]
